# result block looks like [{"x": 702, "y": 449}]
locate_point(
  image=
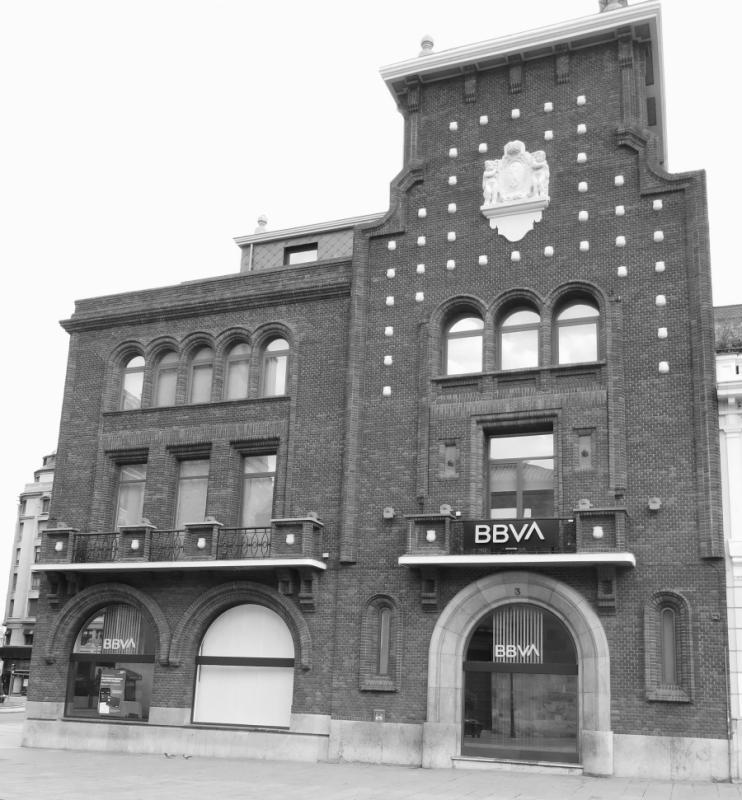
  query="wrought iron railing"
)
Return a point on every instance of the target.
[
  {"x": 238, "y": 543},
  {"x": 159, "y": 545},
  {"x": 95, "y": 548}
]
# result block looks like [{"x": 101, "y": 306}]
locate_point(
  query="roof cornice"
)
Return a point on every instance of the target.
[
  {"x": 307, "y": 230},
  {"x": 643, "y": 20}
]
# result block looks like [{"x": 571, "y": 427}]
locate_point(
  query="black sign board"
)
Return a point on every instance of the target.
[{"x": 512, "y": 535}]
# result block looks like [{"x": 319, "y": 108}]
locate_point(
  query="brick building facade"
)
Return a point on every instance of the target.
[{"x": 437, "y": 486}]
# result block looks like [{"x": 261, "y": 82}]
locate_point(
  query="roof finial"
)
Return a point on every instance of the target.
[
  {"x": 612, "y": 5},
  {"x": 262, "y": 224},
  {"x": 427, "y": 45}
]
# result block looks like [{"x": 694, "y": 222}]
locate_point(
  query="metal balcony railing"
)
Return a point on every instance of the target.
[{"x": 238, "y": 543}]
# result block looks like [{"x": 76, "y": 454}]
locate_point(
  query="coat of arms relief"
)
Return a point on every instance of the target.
[{"x": 516, "y": 190}]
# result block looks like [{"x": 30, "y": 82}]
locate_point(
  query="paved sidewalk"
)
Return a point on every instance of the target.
[
  {"x": 13, "y": 705},
  {"x": 71, "y": 775}
]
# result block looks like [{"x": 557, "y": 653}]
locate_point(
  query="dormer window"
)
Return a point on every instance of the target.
[{"x": 300, "y": 254}]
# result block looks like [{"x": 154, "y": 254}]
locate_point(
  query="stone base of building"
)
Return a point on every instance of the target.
[
  {"x": 306, "y": 740},
  {"x": 676, "y": 758},
  {"x": 315, "y": 737}
]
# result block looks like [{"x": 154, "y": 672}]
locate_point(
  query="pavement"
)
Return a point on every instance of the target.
[{"x": 73, "y": 775}]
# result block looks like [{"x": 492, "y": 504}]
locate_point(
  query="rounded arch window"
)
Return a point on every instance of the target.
[
  {"x": 237, "y": 372},
  {"x": 521, "y": 687},
  {"x": 519, "y": 339},
  {"x": 245, "y": 669},
  {"x": 275, "y": 367},
  {"x": 463, "y": 345},
  {"x": 202, "y": 369},
  {"x": 166, "y": 379},
  {"x": 132, "y": 383},
  {"x": 112, "y": 666},
  {"x": 577, "y": 332}
]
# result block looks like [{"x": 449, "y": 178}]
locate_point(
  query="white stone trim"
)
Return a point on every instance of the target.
[
  {"x": 521, "y": 560},
  {"x": 147, "y": 566}
]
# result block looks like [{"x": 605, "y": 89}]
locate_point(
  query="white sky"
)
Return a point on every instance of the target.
[{"x": 138, "y": 138}]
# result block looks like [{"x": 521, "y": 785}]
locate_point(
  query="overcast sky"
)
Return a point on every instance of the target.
[{"x": 138, "y": 138}]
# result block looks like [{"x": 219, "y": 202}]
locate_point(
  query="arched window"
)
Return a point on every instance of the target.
[
  {"x": 112, "y": 666},
  {"x": 275, "y": 365},
  {"x": 463, "y": 346},
  {"x": 131, "y": 385},
  {"x": 519, "y": 339},
  {"x": 166, "y": 379},
  {"x": 237, "y": 372},
  {"x": 380, "y": 646},
  {"x": 577, "y": 333},
  {"x": 668, "y": 645},
  {"x": 668, "y": 655},
  {"x": 245, "y": 669},
  {"x": 202, "y": 368}
]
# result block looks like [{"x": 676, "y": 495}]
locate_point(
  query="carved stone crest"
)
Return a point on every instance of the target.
[{"x": 516, "y": 190}]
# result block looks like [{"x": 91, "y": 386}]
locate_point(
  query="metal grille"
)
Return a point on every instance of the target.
[
  {"x": 238, "y": 543},
  {"x": 518, "y": 635}
]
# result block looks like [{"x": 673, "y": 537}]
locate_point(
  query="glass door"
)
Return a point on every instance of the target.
[{"x": 520, "y": 688}]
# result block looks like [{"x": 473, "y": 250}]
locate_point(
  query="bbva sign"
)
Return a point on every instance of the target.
[
  {"x": 119, "y": 644},
  {"x": 538, "y": 535}
]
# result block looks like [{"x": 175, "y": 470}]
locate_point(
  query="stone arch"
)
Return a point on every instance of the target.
[
  {"x": 448, "y": 645},
  {"x": 202, "y": 612},
  {"x": 65, "y": 627}
]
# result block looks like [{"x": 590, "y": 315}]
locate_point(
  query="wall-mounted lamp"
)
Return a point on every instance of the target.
[
  {"x": 597, "y": 531},
  {"x": 59, "y": 546},
  {"x": 430, "y": 536},
  {"x": 135, "y": 544},
  {"x": 290, "y": 538},
  {"x": 201, "y": 543}
]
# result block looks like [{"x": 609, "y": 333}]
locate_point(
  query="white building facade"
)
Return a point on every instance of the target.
[{"x": 23, "y": 585}]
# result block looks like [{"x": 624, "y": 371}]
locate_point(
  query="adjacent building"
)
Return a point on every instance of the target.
[
  {"x": 728, "y": 321},
  {"x": 23, "y": 584},
  {"x": 438, "y": 486}
]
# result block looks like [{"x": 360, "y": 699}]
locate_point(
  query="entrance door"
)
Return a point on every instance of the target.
[{"x": 520, "y": 688}]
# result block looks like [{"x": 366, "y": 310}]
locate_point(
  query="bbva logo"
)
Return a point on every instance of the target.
[
  {"x": 501, "y": 532},
  {"x": 515, "y": 650},
  {"x": 119, "y": 644}
]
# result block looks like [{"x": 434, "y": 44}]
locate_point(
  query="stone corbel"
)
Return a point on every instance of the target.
[
  {"x": 606, "y": 594},
  {"x": 429, "y": 588},
  {"x": 307, "y": 589}
]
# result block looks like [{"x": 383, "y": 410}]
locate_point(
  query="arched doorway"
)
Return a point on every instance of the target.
[
  {"x": 520, "y": 687},
  {"x": 112, "y": 666},
  {"x": 443, "y": 735},
  {"x": 245, "y": 669}
]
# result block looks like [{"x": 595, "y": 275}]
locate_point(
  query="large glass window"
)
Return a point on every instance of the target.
[
  {"x": 577, "y": 333},
  {"x": 132, "y": 382},
  {"x": 202, "y": 369},
  {"x": 132, "y": 478},
  {"x": 245, "y": 669},
  {"x": 166, "y": 379},
  {"x": 520, "y": 687},
  {"x": 521, "y": 476},
  {"x": 193, "y": 479},
  {"x": 275, "y": 365},
  {"x": 463, "y": 340},
  {"x": 111, "y": 666},
  {"x": 519, "y": 339},
  {"x": 258, "y": 479},
  {"x": 238, "y": 371}
]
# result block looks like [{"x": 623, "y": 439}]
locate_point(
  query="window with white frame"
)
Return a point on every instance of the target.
[
  {"x": 166, "y": 379},
  {"x": 193, "y": 479},
  {"x": 519, "y": 339},
  {"x": 201, "y": 374},
  {"x": 130, "y": 501},
  {"x": 577, "y": 333},
  {"x": 521, "y": 475},
  {"x": 463, "y": 340},
  {"x": 237, "y": 372},
  {"x": 132, "y": 383},
  {"x": 258, "y": 481},
  {"x": 275, "y": 368}
]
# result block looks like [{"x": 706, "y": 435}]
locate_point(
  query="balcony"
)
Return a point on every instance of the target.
[
  {"x": 294, "y": 542},
  {"x": 590, "y": 537}
]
